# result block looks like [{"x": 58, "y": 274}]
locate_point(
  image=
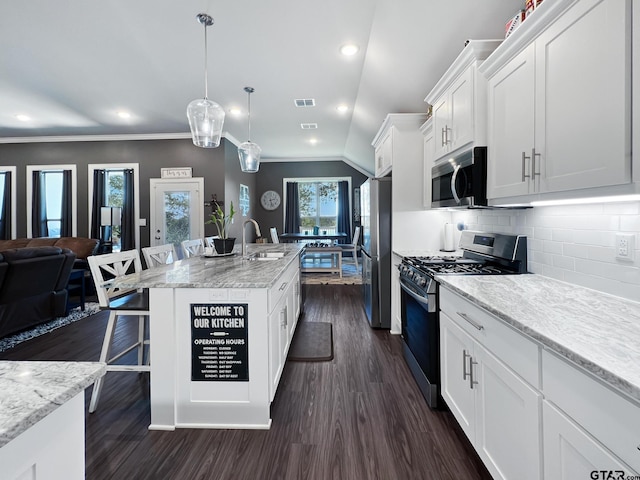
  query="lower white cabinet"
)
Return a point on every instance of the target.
[
  {"x": 396, "y": 312},
  {"x": 282, "y": 322},
  {"x": 496, "y": 409},
  {"x": 569, "y": 452}
]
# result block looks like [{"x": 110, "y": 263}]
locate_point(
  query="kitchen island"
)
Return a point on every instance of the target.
[
  {"x": 220, "y": 329},
  {"x": 42, "y": 418}
]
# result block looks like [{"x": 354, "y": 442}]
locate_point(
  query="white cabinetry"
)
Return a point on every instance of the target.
[
  {"x": 399, "y": 144},
  {"x": 428, "y": 153},
  {"x": 569, "y": 452},
  {"x": 555, "y": 121},
  {"x": 396, "y": 313},
  {"x": 496, "y": 408},
  {"x": 459, "y": 101},
  {"x": 282, "y": 322}
]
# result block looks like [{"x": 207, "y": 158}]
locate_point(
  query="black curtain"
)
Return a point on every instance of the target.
[
  {"x": 5, "y": 215},
  {"x": 292, "y": 209},
  {"x": 128, "y": 227},
  {"x": 39, "y": 215},
  {"x": 97, "y": 202},
  {"x": 344, "y": 215},
  {"x": 66, "y": 223}
]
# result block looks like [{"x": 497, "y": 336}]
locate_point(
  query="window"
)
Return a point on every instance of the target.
[
  {"x": 318, "y": 206},
  {"x": 51, "y": 201},
  {"x": 111, "y": 191},
  {"x": 7, "y": 203}
]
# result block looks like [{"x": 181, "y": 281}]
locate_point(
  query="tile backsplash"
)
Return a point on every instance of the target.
[{"x": 573, "y": 243}]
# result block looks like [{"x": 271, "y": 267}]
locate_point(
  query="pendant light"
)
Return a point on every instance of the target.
[
  {"x": 205, "y": 116},
  {"x": 249, "y": 152}
]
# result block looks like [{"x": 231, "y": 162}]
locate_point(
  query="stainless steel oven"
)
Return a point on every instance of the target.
[{"x": 460, "y": 181}]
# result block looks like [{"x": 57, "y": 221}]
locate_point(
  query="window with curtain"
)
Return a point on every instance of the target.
[
  {"x": 51, "y": 200},
  {"x": 318, "y": 206},
  {"x": 113, "y": 186},
  {"x": 5, "y": 206}
]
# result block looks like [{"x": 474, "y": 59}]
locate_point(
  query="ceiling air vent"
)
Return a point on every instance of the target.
[
  {"x": 309, "y": 126},
  {"x": 305, "y": 102}
]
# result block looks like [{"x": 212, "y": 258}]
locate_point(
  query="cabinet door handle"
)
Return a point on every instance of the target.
[
  {"x": 443, "y": 134},
  {"x": 524, "y": 161},
  {"x": 471, "y": 322},
  {"x": 465, "y": 355},
  {"x": 533, "y": 163},
  {"x": 283, "y": 286},
  {"x": 446, "y": 135},
  {"x": 283, "y": 317},
  {"x": 472, "y": 382}
]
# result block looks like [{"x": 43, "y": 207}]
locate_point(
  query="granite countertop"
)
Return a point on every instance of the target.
[
  {"x": 218, "y": 271},
  {"x": 29, "y": 391},
  {"x": 598, "y": 331}
]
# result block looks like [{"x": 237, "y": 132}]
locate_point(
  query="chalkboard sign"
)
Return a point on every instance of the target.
[{"x": 219, "y": 342}]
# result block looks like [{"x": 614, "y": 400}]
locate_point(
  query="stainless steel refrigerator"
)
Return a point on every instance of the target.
[{"x": 375, "y": 208}]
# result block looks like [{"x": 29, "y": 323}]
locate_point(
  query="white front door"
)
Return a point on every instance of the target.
[{"x": 177, "y": 210}]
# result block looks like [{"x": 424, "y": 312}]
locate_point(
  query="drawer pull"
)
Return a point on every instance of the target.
[
  {"x": 473, "y": 323},
  {"x": 283, "y": 286}
]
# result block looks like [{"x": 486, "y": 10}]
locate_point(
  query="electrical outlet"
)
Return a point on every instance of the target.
[{"x": 625, "y": 246}]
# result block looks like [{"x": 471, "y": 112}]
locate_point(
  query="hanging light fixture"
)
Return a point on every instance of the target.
[
  {"x": 249, "y": 152},
  {"x": 205, "y": 116}
]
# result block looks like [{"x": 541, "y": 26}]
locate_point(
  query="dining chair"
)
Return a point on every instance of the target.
[
  {"x": 353, "y": 246},
  {"x": 159, "y": 255},
  {"x": 274, "y": 235},
  {"x": 192, "y": 248},
  {"x": 208, "y": 241},
  {"x": 122, "y": 304}
]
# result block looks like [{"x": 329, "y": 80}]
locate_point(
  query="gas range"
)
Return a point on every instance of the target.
[{"x": 483, "y": 254}]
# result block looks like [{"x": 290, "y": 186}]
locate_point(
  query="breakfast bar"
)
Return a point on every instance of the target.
[{"x": 220, "y": 329}]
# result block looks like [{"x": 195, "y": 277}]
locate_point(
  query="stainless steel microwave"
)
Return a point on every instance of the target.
[{"x": 461, "y": 181}]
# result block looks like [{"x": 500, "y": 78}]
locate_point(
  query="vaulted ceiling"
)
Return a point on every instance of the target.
[{"x": 72, "y": 65}]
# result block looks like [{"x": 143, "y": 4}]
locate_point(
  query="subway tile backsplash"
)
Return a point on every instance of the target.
[{"x": 574, "y": 243}]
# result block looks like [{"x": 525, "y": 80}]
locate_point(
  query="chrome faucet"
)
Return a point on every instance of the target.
[{"x": 244, "y": 240}]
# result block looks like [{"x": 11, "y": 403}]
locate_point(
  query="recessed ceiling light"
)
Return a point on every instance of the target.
[
  {"x": 22, "y": 117},
  {"x": 342, "y": 108},
  {"x": 349, "y": 49},
  {"x": 123, "y": 114},
  {"x": 313, "y": 141},
  {"x": 235, "y": 111}
]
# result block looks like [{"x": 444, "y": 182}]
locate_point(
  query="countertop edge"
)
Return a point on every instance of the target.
[
  {"x": 602, "y": 374},
  {"x": 26, "y": 421}
]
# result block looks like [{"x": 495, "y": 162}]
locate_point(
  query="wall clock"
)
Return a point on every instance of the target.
[{"x": 270, "y": 200}]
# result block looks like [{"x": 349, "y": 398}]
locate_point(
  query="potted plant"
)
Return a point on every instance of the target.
[{"x": 224, "y": 243}]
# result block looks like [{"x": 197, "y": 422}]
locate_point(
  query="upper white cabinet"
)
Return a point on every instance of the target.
[
  {"x": 399, "y": 145},
  {"x": 559, "y": 90},
  {"x": 459, "y": 101},
  {"x": 428, "y": 152}
]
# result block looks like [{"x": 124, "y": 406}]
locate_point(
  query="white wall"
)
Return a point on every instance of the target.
[{"x": 571, "y": 243}]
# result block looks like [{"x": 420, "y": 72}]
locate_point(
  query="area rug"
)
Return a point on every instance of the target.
[
  {"x": 74, "y": 315},
  {"x": 350, "y": 276},
  {"x": 312, "y": 342}
]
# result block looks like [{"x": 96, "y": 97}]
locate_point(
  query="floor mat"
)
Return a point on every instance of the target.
[{"x": 312, "y": 342}]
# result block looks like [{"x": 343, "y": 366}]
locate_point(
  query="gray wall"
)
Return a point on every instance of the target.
[
  {"x": 271, "y": 175},
  {"x": 151, "y": 155},
  {"x": 219, "y": 167}
]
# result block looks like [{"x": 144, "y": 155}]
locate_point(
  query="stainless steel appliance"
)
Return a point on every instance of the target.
[
  {"x": 375, "y": 211},
  {"x": 483, "y": 254},
  {"x": 461, "y": 181}
]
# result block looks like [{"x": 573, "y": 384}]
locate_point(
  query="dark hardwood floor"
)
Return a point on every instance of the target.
[{"x": 360, "y": 416}]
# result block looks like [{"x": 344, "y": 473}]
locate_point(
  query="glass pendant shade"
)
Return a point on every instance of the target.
[
  {"x": 206, "y": 119},
  {"x": 249, "y": 152},
  {"x": 249, "y": 155}
]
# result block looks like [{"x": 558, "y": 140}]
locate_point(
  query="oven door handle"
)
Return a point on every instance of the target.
[{"x": 415, "y": 296}]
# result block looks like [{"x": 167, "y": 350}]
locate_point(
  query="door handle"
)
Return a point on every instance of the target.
[
  {"x": 454, "y": 178},
  {"x": 533, "y": 163},
  {"x": 524, "y": 160},
  {"x": 472, "y": 382},
  {"x": 465, "y": 355}
]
